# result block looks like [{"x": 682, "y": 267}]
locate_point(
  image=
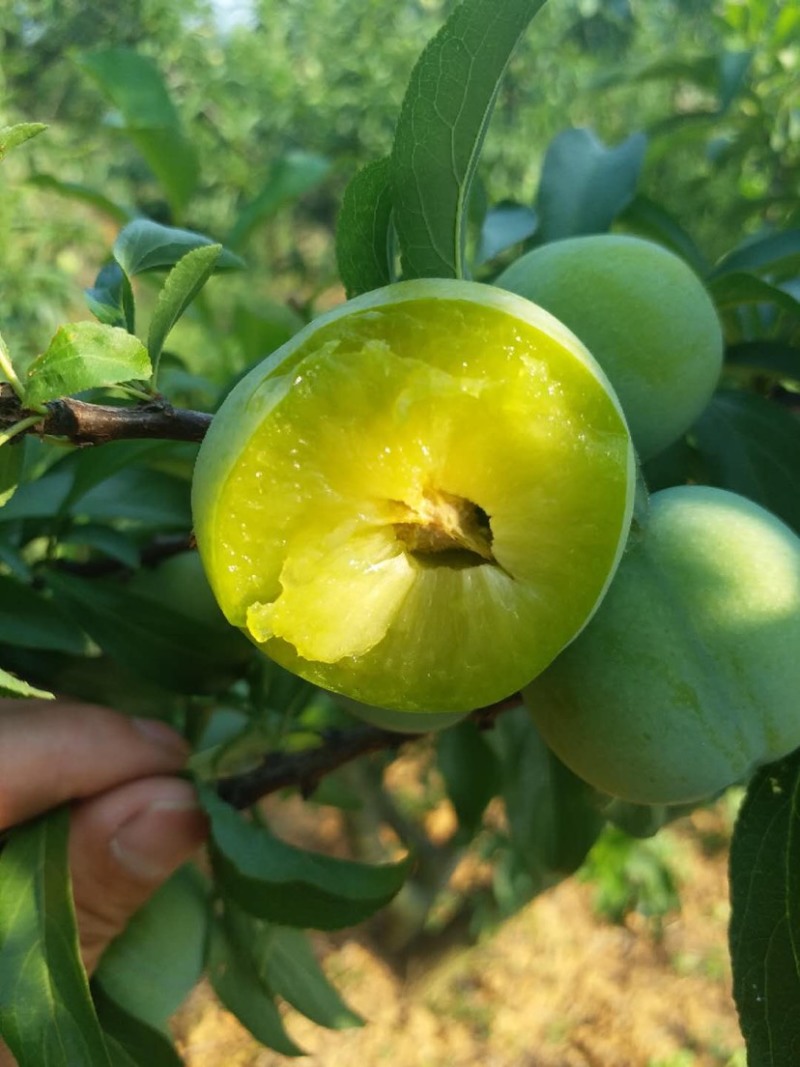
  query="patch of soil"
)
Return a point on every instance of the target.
[{"x": 555, "y": 986}]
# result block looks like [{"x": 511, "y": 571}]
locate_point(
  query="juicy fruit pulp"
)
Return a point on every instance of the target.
[
  {"x": 420, "y": 499},
  {"x": 645, "y": 317},
  {"x": 687, "y": 677}
]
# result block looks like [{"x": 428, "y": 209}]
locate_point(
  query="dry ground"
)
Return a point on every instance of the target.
[{"x": 556, "y": 986}]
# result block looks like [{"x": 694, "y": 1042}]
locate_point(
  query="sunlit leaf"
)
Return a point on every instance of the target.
[
  {"x": 85, "y": 355},
  {"x": 11, "y": 686},
  {"x": 180, "y": 287},
  {"x": 12, "y": 136},
  {"x": 363, "y": 230},
  {"x": 441, "y": 129},
  {"x": 46, "y": 1014}
]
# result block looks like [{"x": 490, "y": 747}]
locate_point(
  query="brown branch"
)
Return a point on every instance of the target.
[
  {"x": 305, "y": 770},
  {"x": 97, "y": 424}
]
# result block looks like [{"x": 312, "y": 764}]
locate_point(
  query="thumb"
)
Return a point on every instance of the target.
[{"x": 123, "y": 845}]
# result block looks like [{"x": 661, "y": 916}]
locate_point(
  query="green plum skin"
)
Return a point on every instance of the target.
[
  {"x": 688, "y": 676},
  {"x": 645, "y": 317}
]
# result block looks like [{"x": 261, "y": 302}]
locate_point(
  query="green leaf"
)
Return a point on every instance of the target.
[
  {"x": 29, "y": 620},
  {"x": 105, "y": 539},
  {"x": 733, "y": 70},
  {"x": 144, "y": 245},
  {"x": 242, "y": 991},
  {"x": 273, "y": 880},
  {"x": 471, "y": 772},
  {"x": 85, "y": 355},
  {"x": 775, "y": 357},
  {"x": 441, "y": 129},
  {"x": 363, "y": 230},
  {"x": 147, "y": 497},
  {"x": 134, "y": 85},
  {"x": 46, "y": 1012},
  {"x": 292, "y": 176},
  {"x": 162, "y": 644},
  {"x": 650, "y": 220},
  {"x": 290, "y": 969},
  {"x": 84, "y": 194},
  {"x": 131, "y": 1039},
  {"x": 154, "y": 964},
  {"x": 181, "y": 286},
  {"x": 778, "y": 254},
  {"x": 11, "y": 686},
  {"x": 739, "y": 290},
  {"x": 752, "y": 446},
  {"x": 505, "y": 225},
  {"x": 585, "y": 185},
  {"x": 110, "y": 299},
  {"x": 12, "y": 460},
  {"x": 553, "y": 820},
  {"x": 765, "y": 916},
  {"x": 12, "y": 136}
]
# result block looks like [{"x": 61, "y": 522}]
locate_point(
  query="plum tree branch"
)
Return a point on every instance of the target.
[
  {"x": 305, "y": 770},
  {"x": 97, "y": 424}
]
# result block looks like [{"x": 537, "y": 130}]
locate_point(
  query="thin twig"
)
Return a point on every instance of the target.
[{"x": 305, "y": 770}]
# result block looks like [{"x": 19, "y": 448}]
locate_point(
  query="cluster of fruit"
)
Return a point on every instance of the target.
[{"x": 425, "y": 501}]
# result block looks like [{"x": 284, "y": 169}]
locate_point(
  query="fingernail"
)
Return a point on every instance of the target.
[
  {"x": 161, "y": 734},
  {"x": 158, "y": 839}
]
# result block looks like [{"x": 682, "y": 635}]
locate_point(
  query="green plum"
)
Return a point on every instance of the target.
[
  {"x": 687, "y": 678},
  {"x": 643, "y": 314}
]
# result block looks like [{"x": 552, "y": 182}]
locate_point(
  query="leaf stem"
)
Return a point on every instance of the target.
[
  {"x": 19, "y": 427},
  {"x": 7, "y": 368}
]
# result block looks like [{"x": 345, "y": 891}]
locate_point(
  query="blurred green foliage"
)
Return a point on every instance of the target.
[{"x": 279, "y": 103}]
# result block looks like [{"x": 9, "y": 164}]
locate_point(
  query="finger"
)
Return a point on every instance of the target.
[
  {"x": 54, "y": 752},
  {"x": 123, "y": 845}
]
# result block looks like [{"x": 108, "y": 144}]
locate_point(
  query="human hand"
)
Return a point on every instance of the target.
[{"x": 133, "y": 823}]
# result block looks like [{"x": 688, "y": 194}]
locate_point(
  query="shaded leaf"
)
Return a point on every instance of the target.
[
  {"x": 752, "y": 446},
  {"x": 273, "y": 880},
  {"x": 134, "y": 85},
  {"x": 650, "y": 220},
  {"x": 552, "y": 815},
  {"x": 775, "y": 357},
  {"x": 84, "y": 194},
  {"x": 441, "y": 129},
  {"x": 471, "y": 772},
  {"x": 131, "y": 1037},
  {"x": 144, "y": 245},
  {"x": 162, "y": 644},
  {"x": 46, "y": 1013},
  {"x": 505, "y": 225},
  {"x": 110, "y": 299},
  {"x": 105, "y": 539},
  {"x": 778, "y": 254},
  {"x": 181, "y": 286},
  {"x": 242, "y": 991},
  {"x": 765, "y": 916},
  {"x": 585, "y": 185},
  {"x": 30, "y": 620},
  {"x": 155, "y": 963},
  {"x": 290, "y": 968},
  {"x": 12, "y": 460},
  {"x": 741, "y": 290},
  {"x": 85, "y": 355},
  {"x": 363, "y": 230},
  {"x": 12, "y": 136},
  {"x": 296, "y": 173}
]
